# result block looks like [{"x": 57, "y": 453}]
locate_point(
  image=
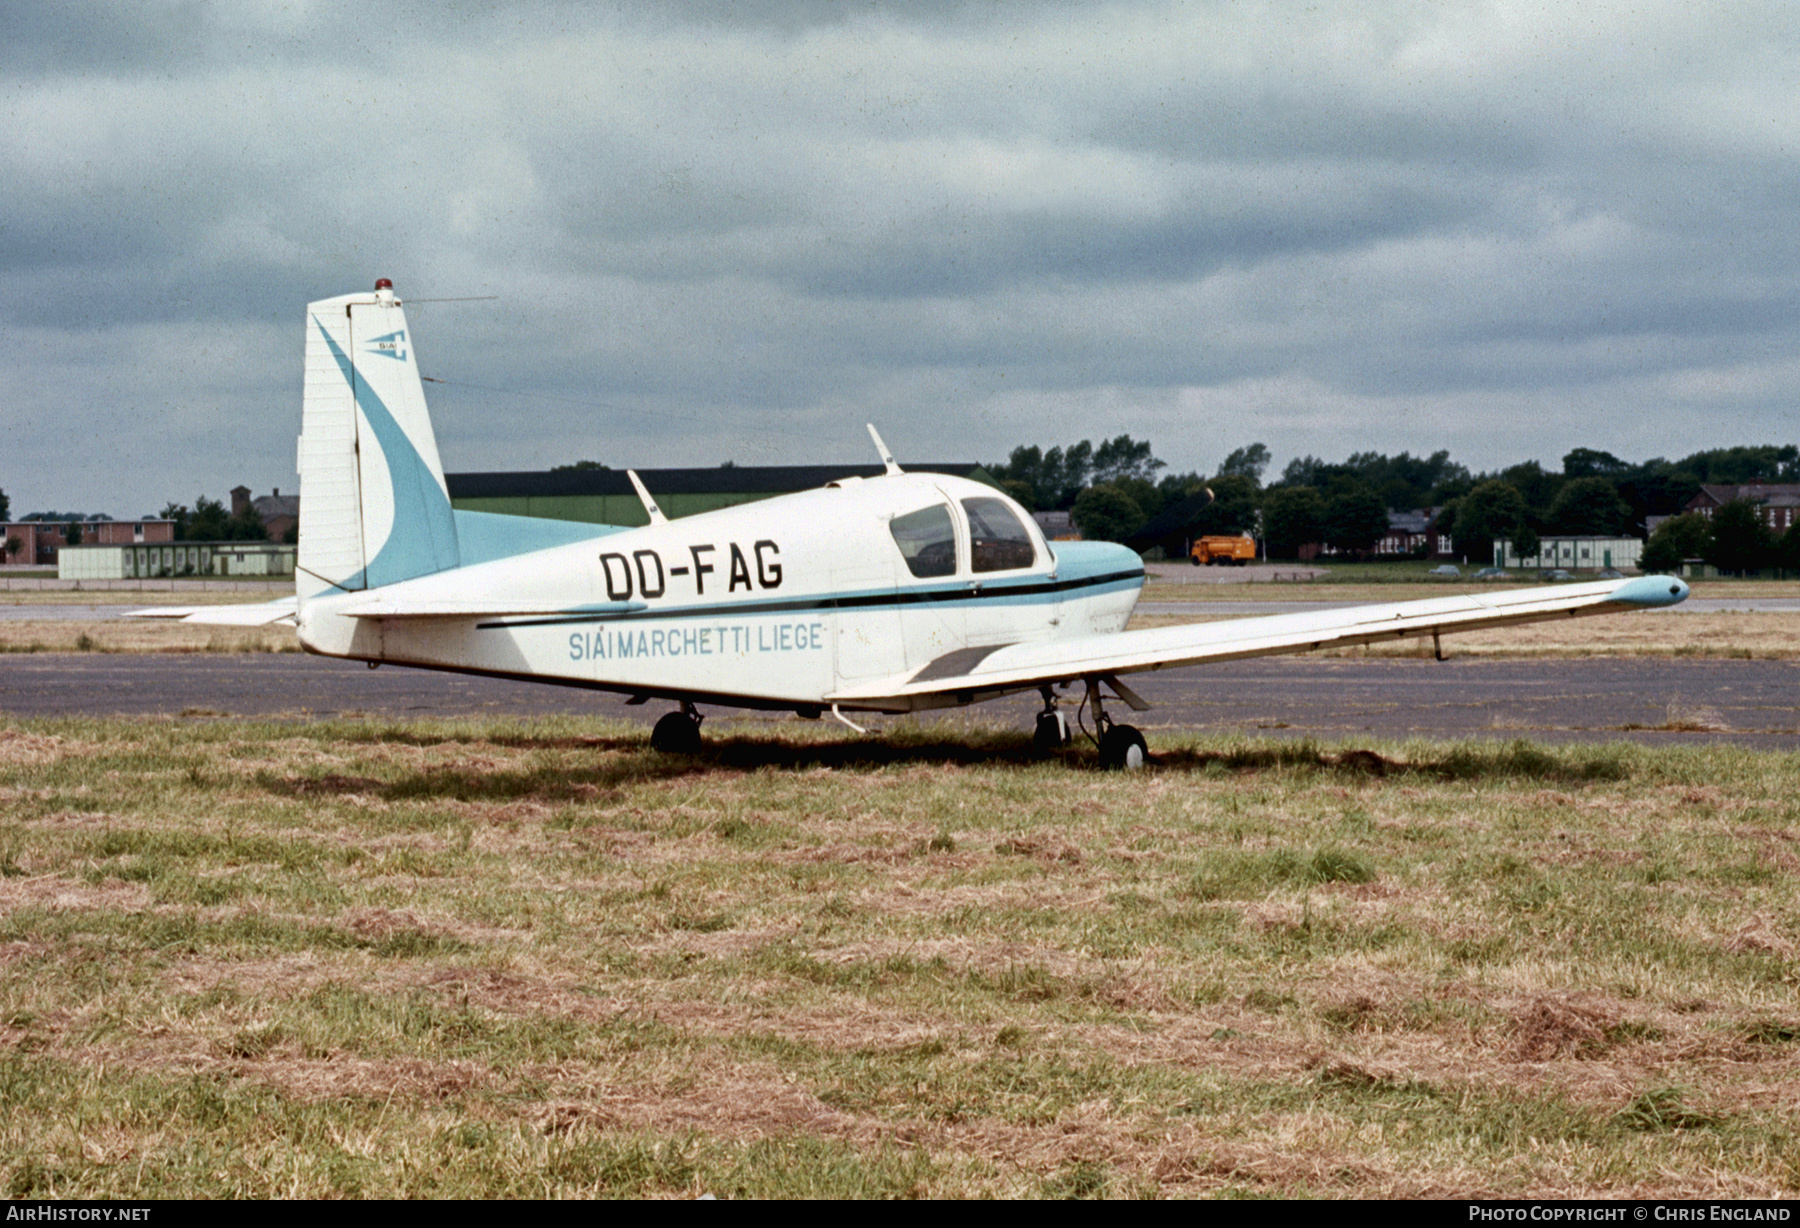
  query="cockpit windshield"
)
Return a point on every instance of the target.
[
  {"x": 998, "y": 541},
  {"x": 927, "y": 541}
]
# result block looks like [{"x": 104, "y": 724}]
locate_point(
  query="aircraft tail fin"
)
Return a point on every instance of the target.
[{"x": 374, "y": 507}]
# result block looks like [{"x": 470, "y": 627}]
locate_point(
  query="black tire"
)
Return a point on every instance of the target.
[
  {"x": 676, "y": 734},
  {"x": 1122, "y": 748},
  {"x": 1194, "y": 559},
  {"x": 1050, "y": 736}
]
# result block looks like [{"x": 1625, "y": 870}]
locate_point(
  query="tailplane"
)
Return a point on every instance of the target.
[{"x": 374, "y": 508}]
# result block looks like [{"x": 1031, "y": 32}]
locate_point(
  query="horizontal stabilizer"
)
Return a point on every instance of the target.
[{"x": 262, "y": 615}]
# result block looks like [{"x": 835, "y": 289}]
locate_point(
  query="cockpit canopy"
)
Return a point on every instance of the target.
[{"x": 997, "y": 539}]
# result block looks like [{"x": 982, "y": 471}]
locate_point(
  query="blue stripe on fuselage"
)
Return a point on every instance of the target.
[{"x": 1088, "y": 581}]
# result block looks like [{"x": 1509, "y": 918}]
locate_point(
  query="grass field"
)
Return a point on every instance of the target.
[{"x": 523, "y": 960}]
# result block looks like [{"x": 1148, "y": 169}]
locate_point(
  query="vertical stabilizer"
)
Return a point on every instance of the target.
[{"x": 374, "y": 509}]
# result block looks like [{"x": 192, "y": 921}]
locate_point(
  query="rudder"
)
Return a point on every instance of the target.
[{"x": 374, "y": 508}]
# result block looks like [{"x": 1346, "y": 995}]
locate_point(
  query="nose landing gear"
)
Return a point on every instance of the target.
[{"x": 1052, "y": 733}]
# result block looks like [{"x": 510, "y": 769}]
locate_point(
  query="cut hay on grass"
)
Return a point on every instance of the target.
[{"x": 538, "y": 959}]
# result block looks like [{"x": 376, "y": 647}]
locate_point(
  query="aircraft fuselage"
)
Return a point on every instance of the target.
[{"x": 776, "y": 604}]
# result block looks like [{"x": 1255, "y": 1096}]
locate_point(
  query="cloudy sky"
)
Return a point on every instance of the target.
[{"x": 738, "y": 231}]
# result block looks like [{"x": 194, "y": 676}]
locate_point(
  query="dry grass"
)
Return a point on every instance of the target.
[
  {"x": 140, "y": 635},
  {"x": 504, "y": 961}
]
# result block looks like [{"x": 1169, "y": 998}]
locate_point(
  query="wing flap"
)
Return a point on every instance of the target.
[{"x": 1093, "y": 656}]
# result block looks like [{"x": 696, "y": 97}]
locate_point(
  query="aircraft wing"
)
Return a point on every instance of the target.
[
  {"x": 981, "y": 671},
  {"x": 283, "y": 609}
]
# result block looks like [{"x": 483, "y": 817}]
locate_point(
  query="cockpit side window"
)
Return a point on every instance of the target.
[
  {"x": 998, "y": 541},
  {"x": 927, "y": 541}
]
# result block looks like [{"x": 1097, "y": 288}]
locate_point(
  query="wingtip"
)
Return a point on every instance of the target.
[{"x": 1652, "y": 592}]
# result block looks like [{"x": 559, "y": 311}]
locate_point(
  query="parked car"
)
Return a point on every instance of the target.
[
  {"x": 1555, "y": 573},
  {"x": 1448, "y": 570},
  {"x": 1612, "y": 573},
  {"x": 1491, "y": 573}
]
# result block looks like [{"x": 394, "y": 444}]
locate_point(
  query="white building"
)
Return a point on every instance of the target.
[
  {"x": 1574, "y": 553},
  {"x": 175, "y": 559}
]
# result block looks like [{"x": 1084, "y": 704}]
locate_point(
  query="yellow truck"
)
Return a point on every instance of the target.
[{"x": 1223, "y": 551}]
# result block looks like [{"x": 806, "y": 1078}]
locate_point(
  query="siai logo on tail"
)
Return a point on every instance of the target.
[{"x": 391, "y": 346}]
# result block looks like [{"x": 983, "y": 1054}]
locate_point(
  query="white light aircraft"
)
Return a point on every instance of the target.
[{"x": 899, "y": 593}]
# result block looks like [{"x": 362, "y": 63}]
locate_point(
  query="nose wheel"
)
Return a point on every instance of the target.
[
  {"x": 678, "y": 733},
  {"x": 1052, "y": 733}
]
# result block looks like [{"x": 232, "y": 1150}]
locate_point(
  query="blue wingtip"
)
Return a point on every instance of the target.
[{"x": 1651, "y": 592}]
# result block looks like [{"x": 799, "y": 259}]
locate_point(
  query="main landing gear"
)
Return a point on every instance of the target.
[
  {"x": 678, "y": 733},
  {"x": 1121, "y": 746},
  {"x": 1052, "y": 732}
]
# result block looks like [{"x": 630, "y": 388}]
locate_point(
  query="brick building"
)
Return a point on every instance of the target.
[
  {"x": 1778, "y": 503},
  {"x": 280, "y": 514},
  {"x": 38, "y": 541}
]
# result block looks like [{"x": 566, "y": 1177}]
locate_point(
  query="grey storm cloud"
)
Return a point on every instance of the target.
[{"x": 739, "y": 230}]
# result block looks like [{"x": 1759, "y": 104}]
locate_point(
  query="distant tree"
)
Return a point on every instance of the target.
[
  {"x": 1676, "y": 540},
  {"x": 1355, "y": 518},
  {"x": 1657, "y": 488},
  {"x": 1177, "y": 486},
  {"x": 1454, "y": 486},
  {"x": 1311, "y": 471},
  {"x": 1232, "y": 510},
  {"x": 1492, "y": 511},
  {"x": 1106, "y": 513},
  {"x": 208, "y": 521},
  {"x": 60, "y": 517},
  {"x": 5, "y": 508},
  {"x": 1405, "y": 481},
  {"x": 1292, "y": 517},
  {"x": 1740, "y": 465},
  {"x": 1589, "y": 505},
  {"x": 13, "y": 546},
  {"x": 72, "y": 535},
  {"x": 1740, "y": 539},
  {"x": 1148, "y": 498},
  {"x": 1787, "y": 550},
  {"x": 1535, "y": 486},
  {"x": 1124, "y": 457},
  {"x": 1054, "y": 477},
  {"x": 583, "y": 466},
  {"x": 1588, "y": 463},
  {"x": 1525, "y": 541},
  {"x": 1248, "y": 461},
  {"x": 1024, "y": 492}
]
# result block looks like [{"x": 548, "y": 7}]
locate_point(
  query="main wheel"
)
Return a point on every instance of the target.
[
  {"x": 1194, "y": 559},
  {"x": 676, "y": 733},
  {"x": 1122, "y": 746},
  {"x": 1051, "y": 735}
]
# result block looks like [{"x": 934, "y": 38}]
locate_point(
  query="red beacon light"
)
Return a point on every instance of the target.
[{"x": 384, "y": 291}]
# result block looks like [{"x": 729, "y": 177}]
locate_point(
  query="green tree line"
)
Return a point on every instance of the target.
[{"x": 1116, "y": 489}]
